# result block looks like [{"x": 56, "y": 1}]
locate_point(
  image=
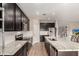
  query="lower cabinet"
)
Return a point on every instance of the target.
[
  {"x": 50, "y": 49},
  {"x": 28, "y": 45},
  {"x": 53, "y": 51},
  {"x": 47, "y": 46},
  {"x": 42, "y": 38},
  {"x": 67, "y": 53},
  {"x": 24, "y": 50}
]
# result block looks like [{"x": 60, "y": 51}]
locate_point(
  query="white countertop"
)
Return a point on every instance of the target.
[
  {"x": 63, "y": 45},
  {"x": 13, "y": 47}
]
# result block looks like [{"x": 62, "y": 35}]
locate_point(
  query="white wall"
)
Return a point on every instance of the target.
[
  {"x": 70, "y": 26},
  {"x": 0, "y": 38},
  {"x": 9, "y": 37},
  {"x": 34, "y": 27}
]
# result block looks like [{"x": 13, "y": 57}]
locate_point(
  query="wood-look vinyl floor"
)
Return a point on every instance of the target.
[{"x": 38, "y": 49}]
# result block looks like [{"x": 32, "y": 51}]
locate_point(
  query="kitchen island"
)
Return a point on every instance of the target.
[
  {"x": 62, "y": 47},
  {"x": 13, "y": 47}
]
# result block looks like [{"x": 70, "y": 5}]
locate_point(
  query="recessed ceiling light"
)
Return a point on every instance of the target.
[
  {"x": 44, "y": 14},
  {"x": 37, "y": 13}
]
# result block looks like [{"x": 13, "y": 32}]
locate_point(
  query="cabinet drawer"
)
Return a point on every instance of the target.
[
  {"x": 19, "y": 52},
  {"x": 68, "y": 53}
]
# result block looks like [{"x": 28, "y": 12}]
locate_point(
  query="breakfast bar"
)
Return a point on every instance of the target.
[{"x": 63, "y": 47}]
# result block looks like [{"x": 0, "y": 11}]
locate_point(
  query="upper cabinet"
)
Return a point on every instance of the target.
[
  {"x": 0, "y": 4},
  {"x": 9, "y": 17},
  {"x": 1, "y": 17},
  {"x": 14, "y": 18},
  {"x": 25, "y": 22},
  {"x": 46, "y": 26},
  {"x": 0, "y": 10},
  {"x": 0, "y": 13},
  {"x": 18, "y": 18}
]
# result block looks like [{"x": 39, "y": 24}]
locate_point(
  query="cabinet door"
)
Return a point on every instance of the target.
[
  {"x": 18, "y": 21},
  {"x": 67, "y": 53},
  {"x": 28, "y": 25},
  {"x": 25, "y": 22},
  {"x": 13, "y": 18},
  {"x": 9, "y": 17},
  {"x": 0, "y": 14},
  {"x": 20, "y": 52},
  {"x": 47, "y": 46},
  {"x": 53, "y": 51},
  {"x": 0, "y": 4}
]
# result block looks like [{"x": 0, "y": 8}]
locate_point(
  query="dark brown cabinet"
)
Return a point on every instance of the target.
[
  {"x": 47, "y": 46},
  {"x": 21, "y": 51},
  {"x": 46, "y": 26},
  {"x": 67, "y": 53},
  {"x": 13, "y": 17},
  {"x": 18, "y": 21},
  {"x": 0, "y": 4},
  {"x": 1, "y": 18},
  {"x": 0, "y": 13},
  {"x": 0, "y": 24},
  {"x": 9, "y": 17},
  {"x": 53, "y": 51},
  {"x": 24, "y": 50},
  {"x": 25, "y": 22}
]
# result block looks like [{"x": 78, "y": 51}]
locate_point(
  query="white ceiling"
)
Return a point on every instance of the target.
[{"x": 58, "y": 11}]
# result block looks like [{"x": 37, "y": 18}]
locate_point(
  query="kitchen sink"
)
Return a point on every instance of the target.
[{"x": 52, "y": 39}]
